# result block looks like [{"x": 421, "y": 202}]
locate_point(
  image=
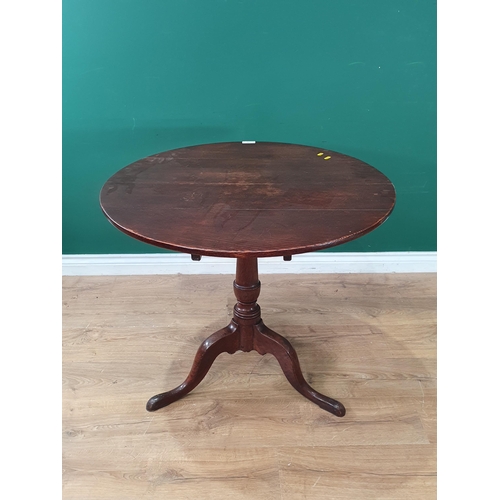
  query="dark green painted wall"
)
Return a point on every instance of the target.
[{"x": 355, "y": 76}]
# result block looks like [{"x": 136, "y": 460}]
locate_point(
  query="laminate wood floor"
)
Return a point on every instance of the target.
[{"x": 368, "y": 340}]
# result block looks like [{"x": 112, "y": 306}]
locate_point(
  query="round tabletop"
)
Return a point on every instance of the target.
[{"x": 247, "y": 199}]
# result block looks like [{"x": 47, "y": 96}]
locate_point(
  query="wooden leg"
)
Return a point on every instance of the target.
[
  {"x": 268, "y": 341},
  {"x": 224, "y": 340}
]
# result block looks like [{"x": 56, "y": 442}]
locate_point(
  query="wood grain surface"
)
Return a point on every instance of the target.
[
  {"x": 244, "y": 432},
  {"x": 247, "y": 200}
]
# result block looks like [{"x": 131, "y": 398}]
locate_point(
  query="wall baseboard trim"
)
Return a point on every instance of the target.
[{"x": 313, "y": 262}]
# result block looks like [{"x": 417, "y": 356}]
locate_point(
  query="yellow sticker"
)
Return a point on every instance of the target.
[
  {"x": 320, "y": 154},
  {"x": 326, "y": 157}
]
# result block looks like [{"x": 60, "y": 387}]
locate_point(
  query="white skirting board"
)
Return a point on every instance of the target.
[{"x": 314, "y": 262}]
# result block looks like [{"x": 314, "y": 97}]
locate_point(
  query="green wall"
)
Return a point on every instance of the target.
[{"x": 354, "y": 76}]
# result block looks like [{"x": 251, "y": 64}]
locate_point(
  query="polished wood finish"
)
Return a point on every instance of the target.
[
  {"x": 247, "y": 200},
  {"x": 245, "y": 433},
  {"x": 247, "y": 332}
]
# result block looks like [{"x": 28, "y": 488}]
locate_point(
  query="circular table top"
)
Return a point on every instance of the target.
[{"x": 247, "y": 200}]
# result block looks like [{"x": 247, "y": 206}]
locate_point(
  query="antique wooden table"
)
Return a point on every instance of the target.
[{"x": 247, "y": 200}]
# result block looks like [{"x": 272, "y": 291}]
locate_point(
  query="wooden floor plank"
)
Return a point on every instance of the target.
[
  {"x": 245, "y": 433},
  {"x": 373, "y": 472}
]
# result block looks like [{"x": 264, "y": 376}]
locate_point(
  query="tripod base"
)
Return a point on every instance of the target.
[{"x": 247, "y": 332}]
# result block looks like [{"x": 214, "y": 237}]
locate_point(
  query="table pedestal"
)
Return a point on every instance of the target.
[{"x": 247, "y": 332}]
